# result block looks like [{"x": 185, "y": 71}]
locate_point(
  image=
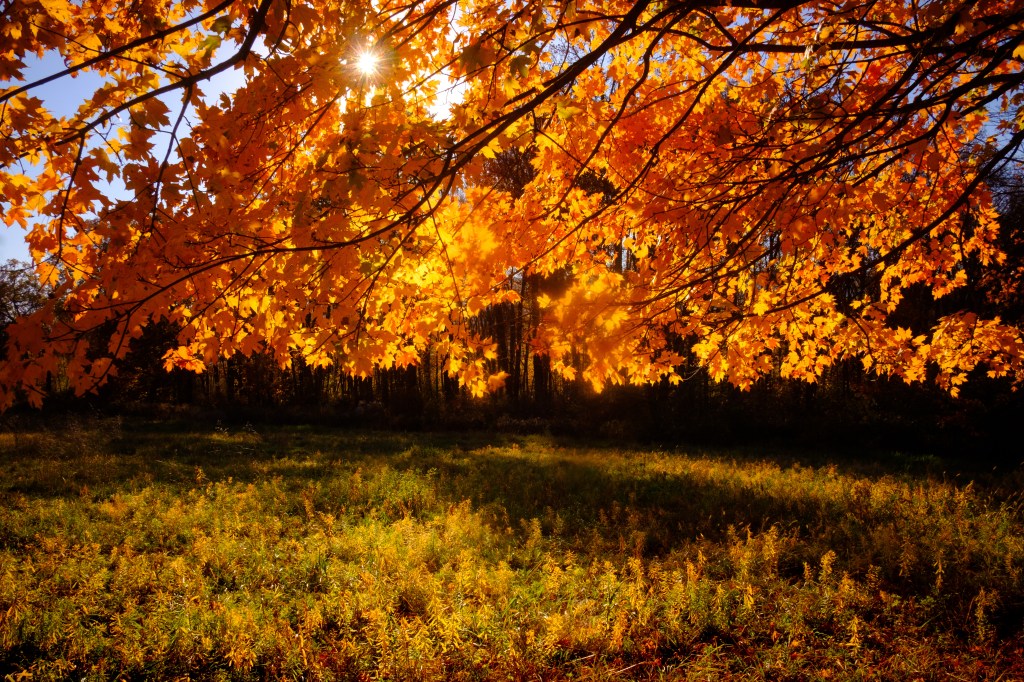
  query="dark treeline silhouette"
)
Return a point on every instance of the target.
[{"x": 848, "y": 405}]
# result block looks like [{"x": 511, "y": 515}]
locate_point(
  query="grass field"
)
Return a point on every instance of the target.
[{"x": 155, "y": 551}]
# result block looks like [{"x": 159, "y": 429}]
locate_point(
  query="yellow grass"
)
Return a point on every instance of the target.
[{"x": 157, "y": 551}]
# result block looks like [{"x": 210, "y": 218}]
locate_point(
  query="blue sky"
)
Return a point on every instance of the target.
[{"x": 63, "y": 97}]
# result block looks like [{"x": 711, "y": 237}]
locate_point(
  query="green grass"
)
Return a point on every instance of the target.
[{"x": 151, "y": 550}]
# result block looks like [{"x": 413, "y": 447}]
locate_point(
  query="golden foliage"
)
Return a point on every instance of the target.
[{"x": 721, "y": 173}]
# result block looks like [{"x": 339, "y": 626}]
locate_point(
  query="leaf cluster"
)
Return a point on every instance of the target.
[{"x": 747, "y": 161}]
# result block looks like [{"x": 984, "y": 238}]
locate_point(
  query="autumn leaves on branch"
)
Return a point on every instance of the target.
[{"x": 755, "y": 183}]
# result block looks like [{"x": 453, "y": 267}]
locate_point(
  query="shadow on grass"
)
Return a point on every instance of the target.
[
  {"x": 597, "y": 501},
  {"x": 586, "y": 496},
  {"x": 571, "y": 486},
  {"x": 100, "y": 457},
  {"x": 570, "y": 483}
]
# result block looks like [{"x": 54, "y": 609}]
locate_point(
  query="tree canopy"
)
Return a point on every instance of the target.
[{"x": 755, "y": 182}]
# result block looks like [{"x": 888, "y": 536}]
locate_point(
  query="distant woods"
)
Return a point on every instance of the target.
[{"x": 848, "y": 404}]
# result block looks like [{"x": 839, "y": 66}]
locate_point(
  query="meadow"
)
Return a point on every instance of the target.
[{"x": 162, "y": 550}]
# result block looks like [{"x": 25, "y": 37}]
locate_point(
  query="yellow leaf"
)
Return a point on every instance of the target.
[
  {"x": 58, "y": 9},
  {"x": 491, "y": 150},
  {"x": 496, "y": 381},
  {"x": 567, "y": 112},
  {"x": 520, "y": 66},
  {"x": 91, "y": 41}
]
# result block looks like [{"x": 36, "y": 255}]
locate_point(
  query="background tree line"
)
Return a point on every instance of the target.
[{"x": 848, "y": 402}]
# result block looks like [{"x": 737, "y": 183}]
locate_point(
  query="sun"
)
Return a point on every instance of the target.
[{"x": 367, "y": 63}]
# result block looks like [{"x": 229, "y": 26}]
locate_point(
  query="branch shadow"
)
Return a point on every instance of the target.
[{"x": 593, "y": 500}]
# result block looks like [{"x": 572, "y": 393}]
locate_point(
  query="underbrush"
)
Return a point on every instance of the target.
[{"x": 150, "y": 551}]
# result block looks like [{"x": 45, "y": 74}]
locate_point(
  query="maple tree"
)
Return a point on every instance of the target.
[{"x": 722, "y": 172}]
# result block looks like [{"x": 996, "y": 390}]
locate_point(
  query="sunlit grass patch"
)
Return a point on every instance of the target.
[{"x": 251, "y": 553}]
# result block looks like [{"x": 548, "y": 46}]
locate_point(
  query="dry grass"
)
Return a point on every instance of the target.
[{"x": 152, "y": 551}]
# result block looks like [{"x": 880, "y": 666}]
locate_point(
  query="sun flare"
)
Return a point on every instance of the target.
[{"x": 367, "y": 62}]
